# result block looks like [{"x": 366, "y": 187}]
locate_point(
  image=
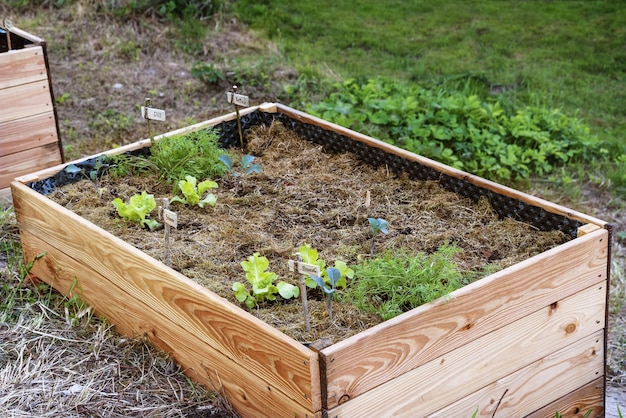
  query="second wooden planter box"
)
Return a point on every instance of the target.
[{"x": 526, "y": 341}]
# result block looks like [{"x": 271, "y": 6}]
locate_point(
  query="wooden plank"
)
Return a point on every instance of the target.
[
  {"x": 27, "y": 161},
  {"x": 371, "y": 358},
  {"x": 472, "y": 368},
  {"x": 25, "y": 100},
  {"x": 473, "y": 179},
  {"x": 204, "y": 363},
  {"x": 585, "y": 229},
  {"x": 541, "y": 383},
  {"x": 289, "y": 368},
  {"x": 26, "y": 133},
  {"x": 22, "y": 66},
  {"x": 577, "y": 403}
]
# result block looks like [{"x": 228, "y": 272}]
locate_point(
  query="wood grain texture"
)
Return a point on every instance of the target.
[
  {"x": 22, "y": 66},
  {"x": 25, "y": 100},
  {"x": 28, "y": 161},
  {"x": 538, "y": 384},
  {"x": 479, "y": 181},
  {"x": 26, "y": 133},
  {"x": 577, "y": 403},
  {"x": 467, "y": 375},
  {"x": 371, "y": 358},
  {"x": 149, "y": 298}
]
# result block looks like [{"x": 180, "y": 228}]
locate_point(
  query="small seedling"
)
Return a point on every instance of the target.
[
  {"x": 193, "y": 192},
  {"x": 137, "y": 209},
  {"x": 377, "y": 225},
  {"x": 311, "y": 256},
  {"x": 262, "y": 281},
  {"x": 246, "y": 167},
  {"x": 334, "y": 276}
]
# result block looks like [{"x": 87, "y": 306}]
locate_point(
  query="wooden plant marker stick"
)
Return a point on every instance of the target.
[
  {"x": 238, "y": 100},
  {"x": 8, "y": 25},
  {"x": 150, "y": 113},
  {"x": 304, "y": 269},
  {"x": 170, "y": 218}
]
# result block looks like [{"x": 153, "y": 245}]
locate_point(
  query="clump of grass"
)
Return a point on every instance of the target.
[{"x": 396, "y": 282}]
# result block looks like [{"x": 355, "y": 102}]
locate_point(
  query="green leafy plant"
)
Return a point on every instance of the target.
[
  {"x": 377, "y": 226},
  {"x": 329, "y": 286},
  {"x": 195, "y": 154},
  {"x": 137, "y": 209},
  {"x": 396, "y": 282},
  {"x": 262, "y": 281},
  {"x": 245, "y": 166},
  {"x": 310, "y": 255},
  {"x": 193, "y": 192},
  {"x": 207, "y": 73}
]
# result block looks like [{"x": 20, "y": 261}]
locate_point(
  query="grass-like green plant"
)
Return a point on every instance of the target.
[
  {"x": 262, "y": 281},
  {"x": 137, "y": 209},
  {"x": 193, "y": 192},
  {"x": 395, "y": 281},
  {"x": 195, "y": 154}
]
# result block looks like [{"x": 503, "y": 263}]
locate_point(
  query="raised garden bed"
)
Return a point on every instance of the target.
[
  {"x": 29, "y": 134},
  {"x": 526, "y": 340}
]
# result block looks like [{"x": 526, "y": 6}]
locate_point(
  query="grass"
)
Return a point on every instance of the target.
[{"x": 560, "y": 54}]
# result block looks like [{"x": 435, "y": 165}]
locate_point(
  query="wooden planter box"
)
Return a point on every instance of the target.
[
  {"x": 526, "y": 341},
  {"x": 29, "y": 135}
]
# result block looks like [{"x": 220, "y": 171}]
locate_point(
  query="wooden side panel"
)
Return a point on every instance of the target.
[
  {"x": 467, "y": 374},
  {"x": 26, "y": 133},
  {"x": 146, "y": 297},
  {"x": 577, "y": 403},
  {"x": 538, "y": 384},
  {"x": 25, "y": 100},
  {"x": 27, "y": 161},
  {"x": 363, "y": 362},
  {"x": 22, "y": 66}
]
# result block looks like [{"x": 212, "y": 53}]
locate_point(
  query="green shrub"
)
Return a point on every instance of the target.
[{"x": 460, "y": 129}]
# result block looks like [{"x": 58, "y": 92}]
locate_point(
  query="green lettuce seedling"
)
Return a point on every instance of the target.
[
  {"x": 311, "y": 256},
  {"x": 262, "y": 281},
  {"x": 193, "y": 192},
  {"x": 137, "y": 209}
]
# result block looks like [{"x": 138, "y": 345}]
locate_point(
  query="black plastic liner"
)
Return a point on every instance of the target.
[{"x": 336, "y": 143}]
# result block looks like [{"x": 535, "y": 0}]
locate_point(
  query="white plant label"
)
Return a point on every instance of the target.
[
  {"x": 152, "y": 113},
  {"x": 305, "y": 268},
  {"x": 170, "y": 218},
  {"x": 238, "y": 99},
  {"x": 8, "y": 25}
]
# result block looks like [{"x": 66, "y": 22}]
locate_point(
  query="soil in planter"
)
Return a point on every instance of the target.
[{"x": 304, "y": 195}]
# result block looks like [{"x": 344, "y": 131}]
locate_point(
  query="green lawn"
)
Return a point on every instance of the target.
[{"x": 563, "y": 54}]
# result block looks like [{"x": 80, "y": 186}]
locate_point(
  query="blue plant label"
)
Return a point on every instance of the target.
[
  {"x": 152, "y": 113},
  {"x": 238, "y": 99}
]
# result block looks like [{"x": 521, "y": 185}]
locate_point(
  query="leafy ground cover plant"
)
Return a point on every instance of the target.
[
  {"x": 460, "y": 129},
  {"x": 137, "y": 209},
  {"x": 193, "y": 192},
  {"x": 262, "y": 281},
  {"x": 396, "y": 281}
]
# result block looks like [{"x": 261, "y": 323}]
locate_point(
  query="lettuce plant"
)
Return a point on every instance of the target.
[
  {"x": 262, "y": 281},
  {"x": 311, "y": 256},
  {"x": 137, "y": 209},
  {"x": 193, "y": 192}
]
